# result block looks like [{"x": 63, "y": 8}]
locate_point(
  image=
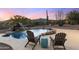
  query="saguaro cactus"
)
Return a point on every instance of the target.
[{"x": 47, "y": 17}]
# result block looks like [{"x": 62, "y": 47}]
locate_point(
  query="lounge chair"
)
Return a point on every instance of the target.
[
  {"x": 59, "y": 40},
  {"x": 31, "y": 38}
]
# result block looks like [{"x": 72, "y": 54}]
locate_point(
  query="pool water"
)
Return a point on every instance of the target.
[{"x": 36, "y": 32}]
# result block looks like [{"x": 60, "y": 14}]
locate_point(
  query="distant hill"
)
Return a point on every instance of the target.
[{"x": 40, "y": 20}]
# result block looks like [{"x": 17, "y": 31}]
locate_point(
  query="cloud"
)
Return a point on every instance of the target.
[
  {"x": 41, "y": 15},
  {"x": 5, "y": 14}
]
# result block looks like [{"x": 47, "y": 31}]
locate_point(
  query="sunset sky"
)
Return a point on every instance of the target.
[{"x": 33, "y": 13}]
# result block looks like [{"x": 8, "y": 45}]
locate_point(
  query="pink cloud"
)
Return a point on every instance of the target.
[
  {"x": 5, "y": 14},
  {"x": 52, "y": 15},
  {"x": 41, "y": 15},
  {"x": 36, "y": 15}
]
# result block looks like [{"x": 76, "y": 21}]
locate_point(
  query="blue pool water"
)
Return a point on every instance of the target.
[
  {"x": 37, "y": 32},
  {"x": 23, "y": 35}
]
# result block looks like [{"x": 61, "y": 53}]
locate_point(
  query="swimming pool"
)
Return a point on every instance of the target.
[{"x": 36, "y": 32}]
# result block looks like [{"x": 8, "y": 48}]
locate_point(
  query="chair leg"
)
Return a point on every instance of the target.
[
  {"x": 64, "y": 48},
  {"x": 39, "y": 41},
  {"x": 52, "y": 41},
  {"x": 52, "y": 44},
  {"x": 27, "y": 43},
  {"x": 53, "y": 47},
  {"x": 34, "y": 46}
]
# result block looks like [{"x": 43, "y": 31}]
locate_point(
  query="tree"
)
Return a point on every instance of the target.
[
  {"x": 17, "y": 18},
  {"x": 73, "y": 17}
]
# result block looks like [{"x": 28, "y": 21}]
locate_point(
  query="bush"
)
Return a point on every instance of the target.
[{"x": 61, "y": 23}]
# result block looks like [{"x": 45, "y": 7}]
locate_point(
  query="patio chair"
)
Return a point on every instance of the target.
[
  {"x": 32, "y": 39},
  {"x": 59, "y": 40}
]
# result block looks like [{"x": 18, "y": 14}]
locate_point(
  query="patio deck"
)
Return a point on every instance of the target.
[{"x": 72, "y": 42}]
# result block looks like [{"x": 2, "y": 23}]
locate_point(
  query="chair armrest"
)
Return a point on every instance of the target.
[
  {"x": 38, "y": 37},
  {"x": 65, "y": 39},
  {"x": 51, "y": 39}
]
